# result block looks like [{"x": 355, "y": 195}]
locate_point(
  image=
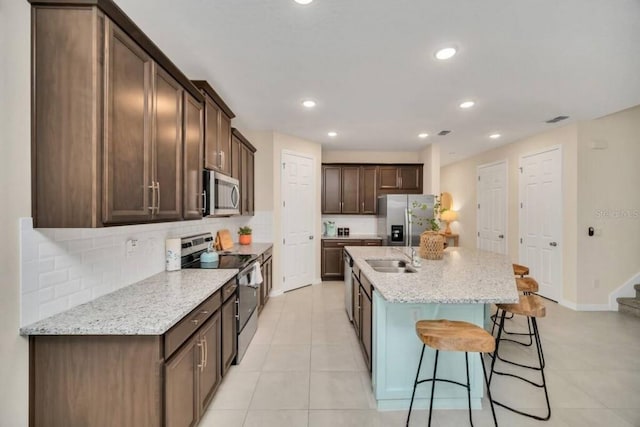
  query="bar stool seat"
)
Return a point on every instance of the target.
[
  {"x": 520, "y": 270},
  {"x": 453, "y": 335},
  {"x": 527, "y": 285},
  {"x": 533, "y": 307}
]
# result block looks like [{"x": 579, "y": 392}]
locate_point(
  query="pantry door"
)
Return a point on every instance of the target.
[
  {"x": 298, "y": 219},
  {"x": 492, "y": 207},
  {"x": 541, "y": 219}
]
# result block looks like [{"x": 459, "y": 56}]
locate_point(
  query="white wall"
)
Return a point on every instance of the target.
[
  {"x": 431, "y": 178},
  {"x": 609, "y": 200},
  {"x": 335, "y": 156},
  {"x": 15, "y": 193},
  {"x": 460, "y": 179}
]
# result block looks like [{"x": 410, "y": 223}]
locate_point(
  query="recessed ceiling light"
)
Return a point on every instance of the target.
[
  {"x": 445, "y": 53},
  {"x": 423, "y": 135},
  {"x": 309, "y": 103},
  {"x": 303, "y": 1},
  {"x": 495, "y": 136},
  {"x": 467, "y": 104},
  {"x": 332, "y": 134}
]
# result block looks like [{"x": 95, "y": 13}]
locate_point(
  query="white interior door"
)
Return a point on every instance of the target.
[
  {"x": 541, "y": 219},
  {"x": 298, "y": 219},
  {"x": 492, "y": 207}
]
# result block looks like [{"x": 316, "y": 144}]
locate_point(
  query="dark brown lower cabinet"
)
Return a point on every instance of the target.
[
  {"x": 267, "y": 280},
  {"x": 331, "y": 258},
  {"x": 355, "y": 301},
  {"x": 366, "y": 310},
  {"x": 229, "y": 332},
  {"x": 181, "y": 385},
  {"x": 130, "y": 380}
]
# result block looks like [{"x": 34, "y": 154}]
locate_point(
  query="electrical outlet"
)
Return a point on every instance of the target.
[{"x": 131, "y": 247}]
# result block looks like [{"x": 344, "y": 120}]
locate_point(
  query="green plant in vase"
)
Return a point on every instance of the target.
[{"x": 245, "y": 235}]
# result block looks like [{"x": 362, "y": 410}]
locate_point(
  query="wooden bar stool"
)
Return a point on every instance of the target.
[
  {"x": 527, "y": 286},
  {"x": 452, "y": 335},
  {"x": 520, "y": 270},
  {"x": 533, "y": 307}
]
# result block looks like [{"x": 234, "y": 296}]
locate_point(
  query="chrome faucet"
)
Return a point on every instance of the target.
[{"x": 415, "y": 261}]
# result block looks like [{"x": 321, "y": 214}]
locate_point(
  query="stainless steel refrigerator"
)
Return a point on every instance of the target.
[{"x": 403, "y": 217}]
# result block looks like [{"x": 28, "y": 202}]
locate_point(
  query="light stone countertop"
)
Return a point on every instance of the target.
[
  {"x": 255, "y": 248},
  {"x": 149, "y": 307},
  {"x": 353, "y": 237},
  {"x": 463, "y": 276}
]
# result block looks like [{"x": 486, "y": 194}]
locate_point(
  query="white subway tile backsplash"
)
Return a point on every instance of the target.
[
  {"x": 68, "y": 288},
  {"x": 51, "y": 249},
  {"x": 53, "y": 307},
  {"x": 52, "y": 278},
  {"x": 62, "y": 268}
]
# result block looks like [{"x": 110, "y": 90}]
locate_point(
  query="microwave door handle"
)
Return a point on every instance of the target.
[{"x": 235, "y": 197}]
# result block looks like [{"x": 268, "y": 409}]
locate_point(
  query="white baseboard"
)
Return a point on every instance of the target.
[
  {"x": 584, "y": 307},
  {"x": 625, "y": 290},
  {"x": 317, "y": 281},
  {"x": 276, "y": 293}
]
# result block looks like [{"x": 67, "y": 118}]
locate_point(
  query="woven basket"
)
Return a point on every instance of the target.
[{"x": 431, "y": 245}]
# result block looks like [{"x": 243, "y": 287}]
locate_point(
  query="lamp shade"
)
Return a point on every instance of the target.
[{"x": 449, "y": 216}]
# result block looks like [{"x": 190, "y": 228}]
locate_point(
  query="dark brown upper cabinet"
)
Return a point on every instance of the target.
[
  {"x": 349, "y": 189},
  {"x": 243, "y": 168},
  {"x": 193, "y": 202},
  {"x": 217, "y": 134},
  {"x": 398, "y": 179},
  {"x": 107, "y": 120}
]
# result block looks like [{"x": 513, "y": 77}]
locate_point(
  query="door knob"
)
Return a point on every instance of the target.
[
  {"x": 554, "y": 244},
  {"x": 501, "y": 236}
]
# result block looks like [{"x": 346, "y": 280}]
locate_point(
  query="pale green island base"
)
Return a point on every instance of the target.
[{"x": 396, "y": 353}]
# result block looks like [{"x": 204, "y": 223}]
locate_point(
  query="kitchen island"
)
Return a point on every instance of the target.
[{"x": 461, "y": 286}]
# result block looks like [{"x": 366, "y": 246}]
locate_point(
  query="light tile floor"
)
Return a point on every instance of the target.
[{"x": 304, "y": 368}]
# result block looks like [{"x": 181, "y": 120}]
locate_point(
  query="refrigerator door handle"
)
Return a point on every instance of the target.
[{"x": 406, "y": 225}]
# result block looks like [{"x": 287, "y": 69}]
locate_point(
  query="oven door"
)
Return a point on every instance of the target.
[
  {"x": 227, "y": 195},
  {"x": 247, "y": 295}
]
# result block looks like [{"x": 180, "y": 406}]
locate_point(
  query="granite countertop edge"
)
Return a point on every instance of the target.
[
  {"x": 473, "y": 277},
  {"x": 149, "y": 307}
]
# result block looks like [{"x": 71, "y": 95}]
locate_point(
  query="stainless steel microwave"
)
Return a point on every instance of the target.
[{"x": 221, "y": 194}]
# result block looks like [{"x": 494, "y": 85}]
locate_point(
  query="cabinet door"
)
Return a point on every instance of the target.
[
  {"x": 181, "y": 385},
  {"x": 250, "y": 183},
  {"x": 410, "y": 178},
  {"x": 210, "y": 374},
  {"x": 350, "y": 186},
  {"x": 211, "y": 133},
  {"x": 388, "y": 178},
  {"x": 269, "y": 275},
  {"x": 224, "y": 143},
  {"x": 369, "y": 190},
  {"x": 236, "y": 160},
  {"x": 332, "y": 263},
  {"x": 244, "y": 180},
  {"x": 167, "y": 138},
  {"x": 263, "y": 289},
  {"x": 192, "y": 154},
  {"x": 365, "y": 326},
  {"x": 229, "y": 333},
  {"x": 355, "y": 301},
  {"x": 127, "y": 175},
  {"x": 331, "y": 190}
]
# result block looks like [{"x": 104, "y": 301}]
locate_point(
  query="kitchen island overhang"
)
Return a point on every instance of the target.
[{"x": 461, "y": 286}]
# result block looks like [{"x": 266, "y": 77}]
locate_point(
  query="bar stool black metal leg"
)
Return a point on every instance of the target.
[
  {"x": 433, "y": 386},
  {"x": 486, "y": 381},
  {"x": 466, "y": 359},
  {"x": 415, "y": 384},
  {"x": 540, "y": 368},
  {"x": 495, "y": 352}
]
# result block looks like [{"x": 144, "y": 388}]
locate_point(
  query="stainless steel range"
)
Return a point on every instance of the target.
[{"x": 247, "y": 297}]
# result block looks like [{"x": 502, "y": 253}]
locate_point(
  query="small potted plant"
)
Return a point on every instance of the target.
[{"x": 245, "y": 235}]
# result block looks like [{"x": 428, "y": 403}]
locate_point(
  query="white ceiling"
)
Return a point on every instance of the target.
[{"x": 370, "y": 66}]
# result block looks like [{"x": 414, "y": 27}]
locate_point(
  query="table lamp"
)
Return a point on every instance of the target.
[{"x": 448, "y": 216}]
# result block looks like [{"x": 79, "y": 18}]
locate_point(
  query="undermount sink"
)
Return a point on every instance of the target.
[{"x": 391, "y": 266}]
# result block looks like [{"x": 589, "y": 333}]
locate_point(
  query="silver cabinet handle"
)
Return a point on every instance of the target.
[
  {"x": 237, "y": 309},
  {"x": 501, "y": 236},
  {"x": 201, "y": 364},
  {"x": 158, "y": 200},
  {"x": 206, "y": 352},
  {"x": 195, "y": 321},
  {"x": 554, "y": 244},
  {"x": 204, "y": 201},
  {"x": 152, "y": 187}
]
